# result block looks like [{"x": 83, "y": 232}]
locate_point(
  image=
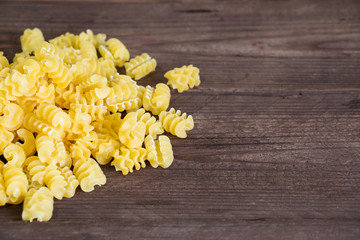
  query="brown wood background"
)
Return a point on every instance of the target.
[{"x": 275, "y": 153}]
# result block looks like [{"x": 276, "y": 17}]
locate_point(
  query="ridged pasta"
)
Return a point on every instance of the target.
[
  {"x": 36, "y": 170},
  {"x": 38, "y": 204},
  {"x": 54, "y": 115},
  {"x": 4, "y": 63},
  {"x": 175, "y": 123},
  {"x": 183, "y": 78},
  {"x": 28, "y": 140},
  {"x": 55, "y": 181},
  {"x": 63, "y": 41},
  {"x": 140, "y": 66},
  {"x": 34, "y": 124},
  {"x": 13, "y": 116},
  {"x": 105, "y": 148},
  {"x": 47, "y": 50},
  {"x": 45, "y": 93},
  {"x": 105, "y": 52},
  {"x": 72, "y": 182},
  {"x": 87, "y": 50},
  {"x": 57, "y": 71},
  {"x": 80, "y": 120},
  {"x": 80, "y": 151},
  {"x": 153, "y": 127},
  {"x": 106, "y": 68},
  {"x": 122, "y": 88},
  {"x": 119, "y": 51},
  {"x": 16, "y": 183},
  {"x": 127, "y": 159},
  {"x": 159, "y": 152},
  {"x": 156, "y": 100},
  {"x": 89, "y": 174},
  {"x": 97, "y": 110},
  {"x": 15, "y": 155},
  {"x": 132, "y": 131},
  {"x": 6, "y": 138},
  {"x": 127, "y": 105},
  {"x": 45, "y": 147},
  {"x": 31, "y": 40}
]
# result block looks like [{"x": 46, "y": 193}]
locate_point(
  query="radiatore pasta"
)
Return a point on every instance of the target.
[{"x": 65, "y": 110}]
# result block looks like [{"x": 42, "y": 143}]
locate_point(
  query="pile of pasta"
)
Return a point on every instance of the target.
[{"x": 65, "y": 110}]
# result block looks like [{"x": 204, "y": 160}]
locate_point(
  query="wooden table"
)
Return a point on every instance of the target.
[{"x": 275, "y": 153}]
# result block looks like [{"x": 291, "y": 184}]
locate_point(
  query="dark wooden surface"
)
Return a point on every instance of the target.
[{"x": 275, "y": 153}]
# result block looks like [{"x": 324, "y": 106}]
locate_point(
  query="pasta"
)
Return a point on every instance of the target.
[
  {"x": 28, "y": 139},
  {"x": 6, "y": 138},
  {"x": 175, "y": 123},
  {"x": 159, "y": 152},
  {"x": 156, "y": 100},
  {"x": 31, "y": 40},
  {"x": 183, "y": 78},
  {"x": 16, "y": 183},
  {"x": 132, "y": 131},
  {"x": 4, "y": 63},
  {"x": 140, "y": 66},
  {"x": 89, "y": 174},
  {"x": 118, "y": 51},
  {"x": 128, "y": 159},
  {"x": 38, "y": 204},
  {"x": 65, "y": 110}
]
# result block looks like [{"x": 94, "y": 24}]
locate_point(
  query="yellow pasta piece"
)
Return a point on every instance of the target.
[
  {"x": 4, "y": 63},
  {"x": 54, "y": 115},
  {"x": 15, "y": 155},
  {"x": 71, "y": 182},
  {"x": 132, "y": 131},
  {"x": 80, "y": 120},
  {"x": 47, "y": 50},
  {"x": 55, "y": 181},
  {"x": 16, "y": 183},
  {"x": 87, "y": 50},
  {"x": 119, "y": 51},
  {"x": 28, "y": 139},
  {"x": 106, "y": 146},
  {"x": 89, "y": 174},
  {"x": 156, "y": 100},
  {"x": 159, "y": 152},
  {"x": 106, "y": 68},
  {"x": 140, "y": 66},
  {"x": 6, "y": 138},
  {"x": 38, "y": 204},
  {"x": 122, "y": 89},
  {"x": 45, "y": 93},
  {"x": 175, "y": 123},
  {"x": 96, "y": 110},
  {"x": 57, "y": 71},
  {"x": 153, "y": 127},
  {"x": 36, "y": 170},
  {"x": 63, "y": 41},
  {"x": 13, "y": 116},
  {"x": 31, "y": 40},
  {"x": 35, "y": 124},
  {"x": 128, "y": 105},
  {"x": 183, "y": 78},
  {"x": 128, "y": 159}
]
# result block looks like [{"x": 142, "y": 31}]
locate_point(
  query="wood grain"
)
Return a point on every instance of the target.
[{"x": 275, "y": 151}]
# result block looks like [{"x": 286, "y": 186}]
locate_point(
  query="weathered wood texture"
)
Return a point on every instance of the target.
[{"x": 275, "y": 153}]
